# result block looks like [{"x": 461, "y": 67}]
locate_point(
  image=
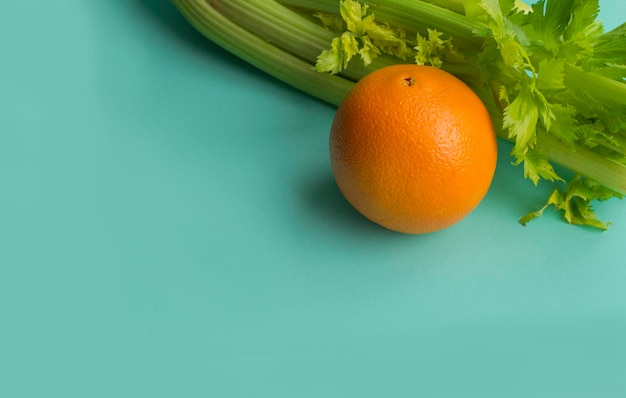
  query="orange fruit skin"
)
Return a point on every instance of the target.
[{"x": 413, "y": 148}]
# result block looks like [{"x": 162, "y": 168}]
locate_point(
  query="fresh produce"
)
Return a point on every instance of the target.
[
  {"x": 550, "y": 75},
  {"x": 413, "y": 148}
]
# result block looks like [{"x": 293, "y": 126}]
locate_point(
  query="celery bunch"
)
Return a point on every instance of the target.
[{"x": 551, "y": 76}]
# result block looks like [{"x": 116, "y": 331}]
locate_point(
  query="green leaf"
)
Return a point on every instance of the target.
[
  {"x": 583, "y": 21},
  {"x": 575, "y": 204},
  {"x": 341, "y": 51},
  {"x": 564, "y": 125},
  {"x": 389, "y": 40},
  {"x": 433, "y": 50},
  {"x": 578, "y": 197},
  {"x": 362, "y": 36},
  {"x": 537, "y": 166},
  {"x": 353, "y": 13},
  {"x": 609, "y": 50},
  {"x": 555, "y": 199},
  {"x": 550, "y": 74},
  {"x": 551, "y": 18},
  {"x": 331, "y": 60},
  {"x": 512, "y": 53},
  {"x": 332, "y": 22},
  {"x": 508, "y": 35},
  {"x": 520, "y": 119},
  {"x": 368, "y": 50},
  {"x": 349, "y": 46},
  {"x": 563, "y": 29},
  {"x": 489, "y": 63},
  {"x": 546, "y": 116}
]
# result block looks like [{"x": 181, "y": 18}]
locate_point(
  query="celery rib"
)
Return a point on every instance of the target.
[
  {"x": 595, "y": 85},
  {"x": 263, "y": 55},
  {"x": 286, "y": 30},
  {"x": 278, "y": 25},
  {"x": 584, "y": 162}
]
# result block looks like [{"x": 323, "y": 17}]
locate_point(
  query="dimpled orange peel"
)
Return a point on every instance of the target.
[{"x": 413, "y": 148}]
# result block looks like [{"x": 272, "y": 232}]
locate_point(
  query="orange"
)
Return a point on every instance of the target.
[{"x": 413, "y": 148}]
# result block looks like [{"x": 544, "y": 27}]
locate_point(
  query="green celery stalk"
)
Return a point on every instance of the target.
[
  {"x": 611, "y": 173},
  {"x": 263, "y": 55},
  {"x": 595, "y": 85}
]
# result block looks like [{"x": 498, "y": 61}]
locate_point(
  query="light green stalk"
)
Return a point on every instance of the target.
[{"x": 208, "y": 20}]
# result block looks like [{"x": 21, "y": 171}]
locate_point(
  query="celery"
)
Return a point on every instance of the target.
[
  {"x": 551, "y": 77},
  {"x": 208, "y": 20}
]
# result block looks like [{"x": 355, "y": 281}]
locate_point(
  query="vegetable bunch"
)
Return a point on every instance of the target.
[{"x": 552, "y": 78}]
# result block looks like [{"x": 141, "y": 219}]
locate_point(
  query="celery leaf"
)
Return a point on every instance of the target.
[
  {"x": 520, "y": 120},
  {"x": 537, "y": 166},
  {"x": 363, "y": 36},
  {"x": 564, "y": 126},
  {"x": 575, "y": 203},
  {"x": 550, "y": 74},
  {"x": 331, "y": 60},
  {"x": 433, "y": 50},
  {"x": 332, "y": 22}
]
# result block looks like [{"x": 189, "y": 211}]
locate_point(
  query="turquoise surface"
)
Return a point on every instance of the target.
[{"x": 169, "y": 227}]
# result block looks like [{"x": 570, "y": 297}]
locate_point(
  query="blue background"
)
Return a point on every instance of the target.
[{"x": 170, "y": 227}]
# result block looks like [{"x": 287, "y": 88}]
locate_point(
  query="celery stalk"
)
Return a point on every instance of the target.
[
  {"x": 286, "y": 30},
  {"x": 610, "y": 173},
  {"x": 263, "y": 55},
  {"x": 595, "y": 85}
]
